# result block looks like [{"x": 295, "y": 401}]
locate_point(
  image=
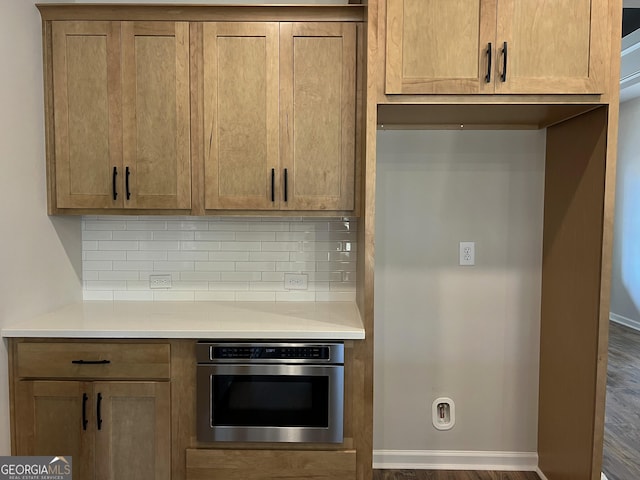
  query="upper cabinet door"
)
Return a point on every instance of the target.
[
  {"x": 553, "y": 46},
  {"x": 317, "y": 98},
  {"x": 156, "y": 115},
  {"x": 440, "y": 46},
  {"x": 86, "y": 105},
  {"x": 240, "y": 65}
]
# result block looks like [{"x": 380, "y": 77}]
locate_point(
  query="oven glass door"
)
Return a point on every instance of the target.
[
  {"x": 273, "y": 403},
  {"x": 270, "y": 400}
]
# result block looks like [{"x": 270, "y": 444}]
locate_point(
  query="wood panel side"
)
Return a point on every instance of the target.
[
  {"x": 573, "y": 292},
  {"x": 613, "y": 92},
  {"x": 270, "y": 464}
]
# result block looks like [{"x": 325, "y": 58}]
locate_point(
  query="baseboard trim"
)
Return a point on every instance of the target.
[
  {"x": 540, "y": 474},
  {"x": 627, "y": 322},
  {"x": 454, "y": 460},
  {"x": 603, "y": 476}
]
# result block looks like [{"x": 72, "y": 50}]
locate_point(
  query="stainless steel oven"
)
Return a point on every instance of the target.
[{"x": 270, "y": 392}]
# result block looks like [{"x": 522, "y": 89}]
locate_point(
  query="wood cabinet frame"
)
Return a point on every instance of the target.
[
  {"x": 579, "y": 203},
  {"x": 195, "y": 15}
]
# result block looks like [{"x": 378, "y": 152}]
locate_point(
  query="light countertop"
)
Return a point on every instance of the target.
[{"x": 201, "y": 320}]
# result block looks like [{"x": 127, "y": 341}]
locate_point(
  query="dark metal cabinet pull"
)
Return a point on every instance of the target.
[
  {"x": 273, "y": 184},
  {"x": 286, "y": 185},
  {"x": 91, "y": 362},
  {"x": 115, "y": 174},
  {"x": 503, "y": 77},
  {"x": 99, "y": 412},
  {"x": 487, "y": 77},
  {"x": 85, "y": 397},
  {"x": 127, "y": 173}
]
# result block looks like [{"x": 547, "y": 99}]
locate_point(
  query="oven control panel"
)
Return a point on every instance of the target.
[{"x": 209, "y": 352}]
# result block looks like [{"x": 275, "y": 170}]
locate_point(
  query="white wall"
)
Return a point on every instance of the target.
[
  {"x": 39, "y": 255},
  {"x": 469, "y": 333},
  {"x": 625, "y": 275}
]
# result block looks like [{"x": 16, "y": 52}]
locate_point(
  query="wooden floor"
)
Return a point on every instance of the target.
[
  {"x": 450, "y": 475},
  {"x": 622, "y": 419}
]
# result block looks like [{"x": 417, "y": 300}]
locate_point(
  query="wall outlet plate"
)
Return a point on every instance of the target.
[
  {"x": 296, "y": 281},
  {"x": 467, "y": 253},
  {"x": 160, "y": 281}
]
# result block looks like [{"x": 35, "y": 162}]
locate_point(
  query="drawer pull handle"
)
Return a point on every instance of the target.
[
  {"x": 273, "y": 184},
  {"x": 99, "y": 411},
  {"x": 126, "y": 178},
  {"x": 286, "y": 185},
  {"x": 91, "y": 362},
  {"x": 115, "y": 192},
  {"x": 84, "y": 411},
  {"x": 487, "y": 77},
  {"x": 503, "y": 77}
]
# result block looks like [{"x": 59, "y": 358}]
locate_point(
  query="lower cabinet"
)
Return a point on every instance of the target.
[
  {"x": 204, "y": 464},
  {"x": 112, "y": 430},
  {"x": 106, "y": 404}
]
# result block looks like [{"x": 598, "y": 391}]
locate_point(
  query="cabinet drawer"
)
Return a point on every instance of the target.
[
  {"x": 268, "y": 464},
  {"x": 90, "y": 360}
]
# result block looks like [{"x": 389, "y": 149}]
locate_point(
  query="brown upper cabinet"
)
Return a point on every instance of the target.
[
  {"x": 279, "y": 115},
  {"x": 120, "y": 115},
  {"x": 496, "y": 46}
]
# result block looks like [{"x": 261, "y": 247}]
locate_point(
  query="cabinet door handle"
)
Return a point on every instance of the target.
[
  {"x": 286, "y": 185},
  {"x": 115, "y": 174},
  {"x": 85, "y": 397},
  {"x": 127, "y": 173},
  {"x": 91, "y": 362},
  {"x": 273, "y": 184},
  {"x": 503, "y": 76},
  {"x": 99, "y": 412},
  {"x": 487, "y": 77}
]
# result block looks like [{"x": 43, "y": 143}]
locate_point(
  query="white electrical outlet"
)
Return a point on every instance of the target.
[
  {"x": 293, "y": 281},
  {"x": 159, "y": 281},
  {"x": 467, "y": 253}
]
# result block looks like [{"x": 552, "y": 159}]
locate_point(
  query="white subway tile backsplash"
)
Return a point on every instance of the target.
[
  {"x": 218, "y": 259},
  {"x": 219, "y": 236},
  {"x": 269, "y": 256},
  {"x": 201, "y": 256},
  {"x": 188, "y": 225},
  {"x": 173, "y": 235},
  {"x": 160, "y": 245},
  {"x": 229, "y": 256},
  {"x": 97, "y": 265},
  {"x": 105, "y": 255},
  {"x": 215, "y": 266},
  {"x": 242, "y": 276},
  {"x": 117, "y": 245},
  {"x": 173, "y": 266},
  {"x": 255, "y": 236},
  {"x": 205, "y": 246},
  {"x": 97, "y": 235},
  {"x": 136, "y": 265},
  {"x": 229, "y": 286},
  {"x": 132, "y": 235},
  {"x": 118, "y": 275},
  {"x": 203, "y": 276},
  {"x": 240, "y": 246},
  {"x": 255, "y": 266},
  {"x": 146, "y": 255}
]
